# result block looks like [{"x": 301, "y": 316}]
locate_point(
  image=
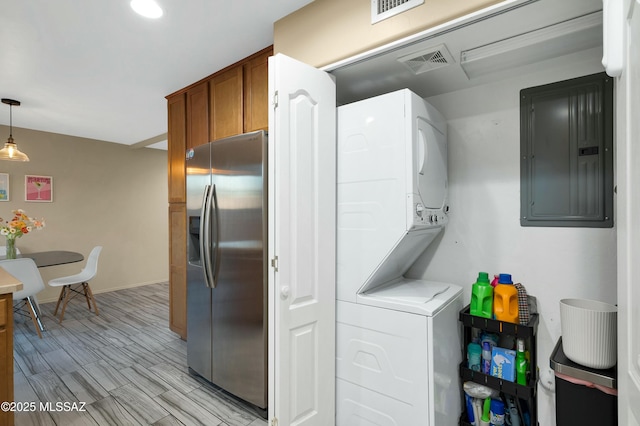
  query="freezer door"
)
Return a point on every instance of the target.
[
  {"x": 238, "y": 299},
  {"x": 198, "y": 294}
]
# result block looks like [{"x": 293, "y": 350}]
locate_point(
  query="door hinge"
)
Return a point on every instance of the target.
[
  {"x": 274, "y": 421},
  {"x": 274, "y": 263},
  {"x": 275, "y": 99}
]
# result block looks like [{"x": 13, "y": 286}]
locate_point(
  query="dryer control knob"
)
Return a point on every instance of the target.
[{"x": 419, "y": 209}]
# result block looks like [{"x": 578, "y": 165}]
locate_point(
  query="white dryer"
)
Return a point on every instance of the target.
[{"x": 397, "y": 339}]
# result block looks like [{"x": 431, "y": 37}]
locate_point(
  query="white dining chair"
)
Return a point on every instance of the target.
[
  {"x": 26, "y": 271},
  {"x": 73, "y": 284}
]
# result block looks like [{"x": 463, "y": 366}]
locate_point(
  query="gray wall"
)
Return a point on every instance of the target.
[{"x": 104, "y": 194}]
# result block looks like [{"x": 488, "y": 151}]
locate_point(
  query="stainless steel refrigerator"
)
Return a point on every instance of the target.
[{"x": 226, "y": 264}]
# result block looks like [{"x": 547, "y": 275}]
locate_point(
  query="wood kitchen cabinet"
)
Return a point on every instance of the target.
[
  {"x": 197, "y": 115},
  {"x": 6, "y": 356},
  {"x": 178, "y": 269},
  {"x": 225, "y": 103},
  {"x": 229, "y": 102},
  {"x": 177, "y": 139},
  {"x": 8, "y": 285},
  {"x": 256, "y": 92}
]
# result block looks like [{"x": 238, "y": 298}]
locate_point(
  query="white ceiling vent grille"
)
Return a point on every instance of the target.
[
  {"x": 428, "y": 59},
  {"x": 383, "y": 9}
]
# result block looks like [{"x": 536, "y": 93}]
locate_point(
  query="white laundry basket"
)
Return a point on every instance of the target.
[{"x": 589, "y": 332}]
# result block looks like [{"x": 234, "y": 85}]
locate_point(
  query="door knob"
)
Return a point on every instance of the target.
[{"x": 284, "y": 292}]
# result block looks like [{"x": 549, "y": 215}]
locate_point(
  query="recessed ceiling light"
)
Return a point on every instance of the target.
[{"x": 146, "y": 8}]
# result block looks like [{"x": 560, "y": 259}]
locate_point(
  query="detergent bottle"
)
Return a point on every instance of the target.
[
  {"x": 474, "y": 356},
  {"x": 497, "y": 412},
  {"x": 482, "y": 297},
  {"x": 505, "y": 300},
  {"x": 494, "y": 281},
  {"x": 486, "y": 358}
]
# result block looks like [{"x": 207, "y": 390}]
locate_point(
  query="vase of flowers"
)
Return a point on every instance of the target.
[{"x": 20, "y": 225}]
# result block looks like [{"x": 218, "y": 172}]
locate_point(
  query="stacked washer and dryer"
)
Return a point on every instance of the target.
[{"x": 397, "y": 339}]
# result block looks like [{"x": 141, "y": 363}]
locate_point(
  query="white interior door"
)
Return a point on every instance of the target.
[
  {"x": 628, "y": 224},
  {"x": 302, "y": 230}
]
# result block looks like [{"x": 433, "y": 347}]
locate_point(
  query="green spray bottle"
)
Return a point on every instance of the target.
[
  {"x": 485, "y": 420},
  {"x": 522, "y": 365}
]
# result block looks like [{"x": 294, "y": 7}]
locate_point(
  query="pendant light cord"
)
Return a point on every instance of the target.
[{"x": 10, "y": 121}]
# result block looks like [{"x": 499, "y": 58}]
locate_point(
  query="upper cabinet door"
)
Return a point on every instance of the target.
[
  {"x": 197, "y": 115},
  {"x": 225, "y": 104},
  {"x": 302, "y": 244},
  {"x": 176, "y": 146},
  {"x": 256, "y": 93}
]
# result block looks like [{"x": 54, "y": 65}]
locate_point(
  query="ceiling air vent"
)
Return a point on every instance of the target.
[
  {"x": 383, "y": 9},
  {"x": 428, "y": 59}
]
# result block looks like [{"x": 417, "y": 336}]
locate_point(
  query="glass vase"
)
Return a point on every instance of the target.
[{"x": 11, "y": 248}]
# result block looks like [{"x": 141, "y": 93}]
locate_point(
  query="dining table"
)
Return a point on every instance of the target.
[{"x": 45, "y": 259}]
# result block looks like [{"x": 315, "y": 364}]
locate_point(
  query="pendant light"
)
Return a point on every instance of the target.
[{"x": 10, "y": 150}]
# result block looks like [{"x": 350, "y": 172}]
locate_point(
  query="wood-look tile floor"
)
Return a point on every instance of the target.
[{"x": 125, "y": 365}]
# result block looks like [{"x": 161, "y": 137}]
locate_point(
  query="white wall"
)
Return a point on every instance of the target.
[
  {"x": 104, "y": 194},
  {"x": 484, "y": 233}
]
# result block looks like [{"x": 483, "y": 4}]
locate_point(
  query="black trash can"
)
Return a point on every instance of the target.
[{"x": 584, "y": 396}]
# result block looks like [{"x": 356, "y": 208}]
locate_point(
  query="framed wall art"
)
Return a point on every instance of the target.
[
  {"x": 38, "y": 188},
  {"x": 4, "y": 186}
]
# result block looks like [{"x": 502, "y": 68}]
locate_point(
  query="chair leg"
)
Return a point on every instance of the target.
[
  {"x": 33, "y": 303},
  {"x": 93, "y": 299},
  {"x": 62, "y": 293},
  {"x": 64, "y": 304},
  {"x": 86, "y": 296},
  {"x": 34, "y": 318}
]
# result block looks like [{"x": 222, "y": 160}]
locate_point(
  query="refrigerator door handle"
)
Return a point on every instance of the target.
[
  {"x": 205, "y": 236},
  {"x": 215, "y": 250}
]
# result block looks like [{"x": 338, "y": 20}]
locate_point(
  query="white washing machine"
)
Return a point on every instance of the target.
[{"x": 397, "y": 339}]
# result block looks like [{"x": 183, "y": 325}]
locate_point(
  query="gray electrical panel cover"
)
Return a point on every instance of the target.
[{"x": 566, "y": 147}]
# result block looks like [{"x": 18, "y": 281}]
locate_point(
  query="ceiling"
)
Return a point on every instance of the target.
[
  {"x": 97, "y": 70},
  {"x": 381, "y": 72}
]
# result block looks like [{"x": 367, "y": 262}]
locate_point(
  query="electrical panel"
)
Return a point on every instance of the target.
[{"x": 566, "y": 146}]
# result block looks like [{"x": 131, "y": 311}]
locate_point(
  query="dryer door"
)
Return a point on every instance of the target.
[{"x": 431, "y": 165}]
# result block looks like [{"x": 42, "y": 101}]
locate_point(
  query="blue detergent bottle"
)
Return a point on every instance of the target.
[{"x": 497, "y": 412}]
